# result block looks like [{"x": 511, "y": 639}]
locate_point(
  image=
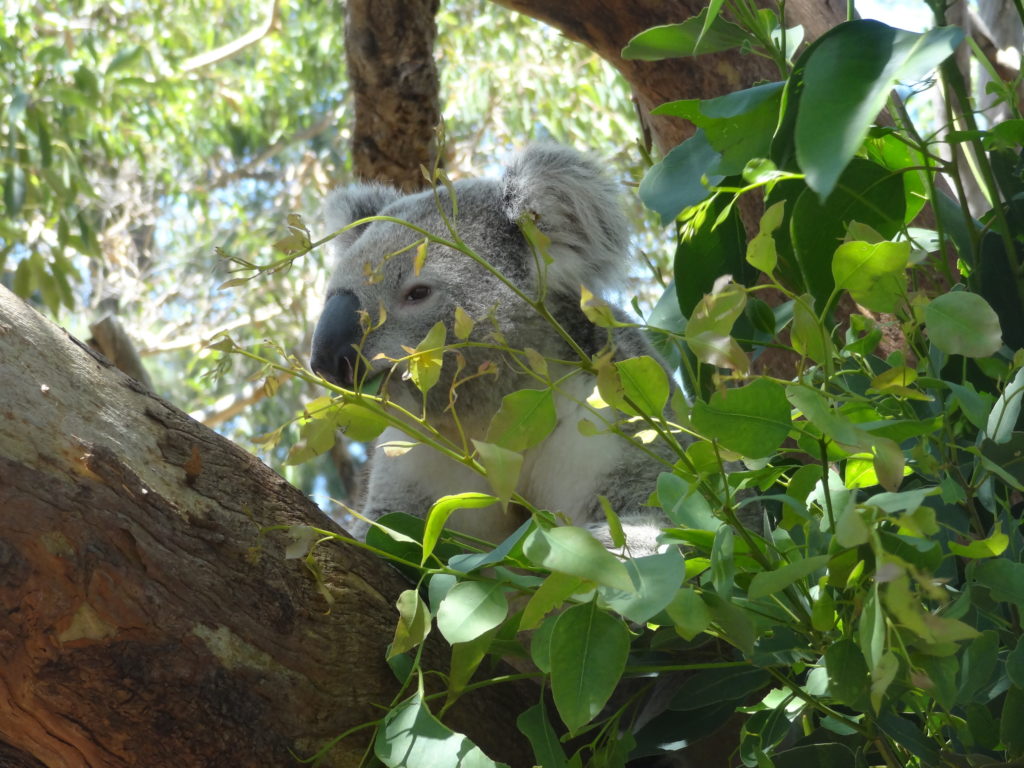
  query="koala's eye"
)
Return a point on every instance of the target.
[{"x": 417, "y": 293}]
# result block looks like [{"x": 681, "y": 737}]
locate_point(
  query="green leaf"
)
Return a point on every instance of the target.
[
  {"x": 503, "y": 468},
  {"x": 848, "y": 680},
  {"x": 575, "y": 552},
  {"x": 709, "y": 246},
  {"x": 534, "y": 725},
  {"x": 807, "y": 335},
  {"x": 657, "y": 579},
  {"x": 645, "y": 382},
  {"x": 588, "y": 654},
  {"x": 771, "y": 582},
  {"x": 1005, "y": 413},
  {"x": 524, "y": 419},
  {"x": 761, "y": 251},
  {"x": 962, "y": 323},
  {"x": 425, "y": 362},
  {"x": 708, "y": 330},
  {"x": 15, "y": 184},
  {"x": 873, "y": 274},
  {"x": 1015, "y": 664},
  {"x": 711, "y": 686},
  {"x": 689, "y": 614},
  {"x": 735, "y": 625},
  {"x": 868, "y": 194},
  {"x": 413, "y": 623},
  {"x": 974, "y": 405},
  {"x": 677, "y": 181},
  {"x": 471, "y": 608},
  {"x": 1005, "y": 579},
  {"x": 676, "y": 40},
  {"x": 358, "y": 422},
  {"x": 684, "y": 505},
  {"x": 992, "y": 546},
  {"x": 465, "y": 660},
  {"x": 411, "y": 736},
  {"x": 723, "y": 567},
  {"x": 739, "y": 125},
  {"x": 908, "y": 734},
  {"x": 881, "y": 678},
  {"x": 753, "y": 420},
  {"x": 816, "y": 410},
  {"x": 978, "y": 666},
  {"x": 1010, "y": 732},
  {"x": 847, "y": 80},
  {"x": 871, "y": 629},
  {"x": 442, "y": 509}
]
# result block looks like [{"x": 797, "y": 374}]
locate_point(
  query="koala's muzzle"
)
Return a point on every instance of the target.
[{"x": 338, "y": 332}]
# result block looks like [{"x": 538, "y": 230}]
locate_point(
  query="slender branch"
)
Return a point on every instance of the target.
[{"x": 251, "y": 37}]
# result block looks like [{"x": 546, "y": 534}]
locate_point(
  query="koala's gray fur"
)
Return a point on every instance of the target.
[{"x": 576, "y": 205}]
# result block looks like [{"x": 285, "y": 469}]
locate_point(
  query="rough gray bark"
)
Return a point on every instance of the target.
[
  {"x": 148, "y": 617},
  {"x": 389, "y": 47}
]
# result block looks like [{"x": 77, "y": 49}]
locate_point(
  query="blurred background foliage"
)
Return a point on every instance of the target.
[{"x": 138, "y": 137}]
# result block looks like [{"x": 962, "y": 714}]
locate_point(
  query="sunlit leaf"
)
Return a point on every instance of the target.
[{"x": 471, "y": 608}]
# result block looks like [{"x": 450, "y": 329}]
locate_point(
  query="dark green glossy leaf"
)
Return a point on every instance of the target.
[
  {"x": 847, "y": 79},
  {"x": 676, "y": 182}
]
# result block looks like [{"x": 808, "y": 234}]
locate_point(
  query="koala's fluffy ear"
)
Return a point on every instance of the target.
[
  {"x": 577, "y": 205},
  {"x": 347, "y": 204}
]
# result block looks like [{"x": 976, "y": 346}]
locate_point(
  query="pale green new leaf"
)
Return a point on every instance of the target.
[
  {"x": 443, "y": 509},
  {"x": 503, "y": 468},
  {"x": 873, "y": 273},
  {"x": 425, "y": 362},
  {"x": 413, "y": 622},
  {"x": 471, "y": 608},
  {"x": 645, "y": 383}
]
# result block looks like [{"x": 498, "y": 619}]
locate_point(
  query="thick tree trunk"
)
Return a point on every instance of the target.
[
  {"x": 148, "y": 617},
  {"x": 605, "y": 26},
  {"x": 389, "y": 47}
]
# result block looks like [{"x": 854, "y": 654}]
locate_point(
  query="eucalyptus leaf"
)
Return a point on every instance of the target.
[
  {"x": 588, "y": 651},
  {"x": 847, "y": 80},
  {"x": 411, "y": 736}
]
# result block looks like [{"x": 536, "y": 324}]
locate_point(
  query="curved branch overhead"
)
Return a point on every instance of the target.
[{"x": 605, "y": 26}]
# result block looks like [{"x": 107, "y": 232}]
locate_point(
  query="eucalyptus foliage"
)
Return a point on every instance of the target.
[{"x": 874, "y": 618}]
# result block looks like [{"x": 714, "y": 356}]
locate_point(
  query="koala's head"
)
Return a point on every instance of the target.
[{"x": 383, "y": 297}]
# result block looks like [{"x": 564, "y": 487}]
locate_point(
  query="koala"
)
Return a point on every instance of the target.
[{"x": 381, "y": 301}]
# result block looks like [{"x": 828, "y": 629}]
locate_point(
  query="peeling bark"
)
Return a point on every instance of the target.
[{"x": 149, "y": 618}]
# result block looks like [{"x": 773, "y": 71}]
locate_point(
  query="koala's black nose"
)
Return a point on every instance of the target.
[{"x": 334, "y": 355}]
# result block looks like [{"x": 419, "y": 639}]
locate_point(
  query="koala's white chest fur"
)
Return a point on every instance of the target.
[{"x": 559, "y": 474}]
